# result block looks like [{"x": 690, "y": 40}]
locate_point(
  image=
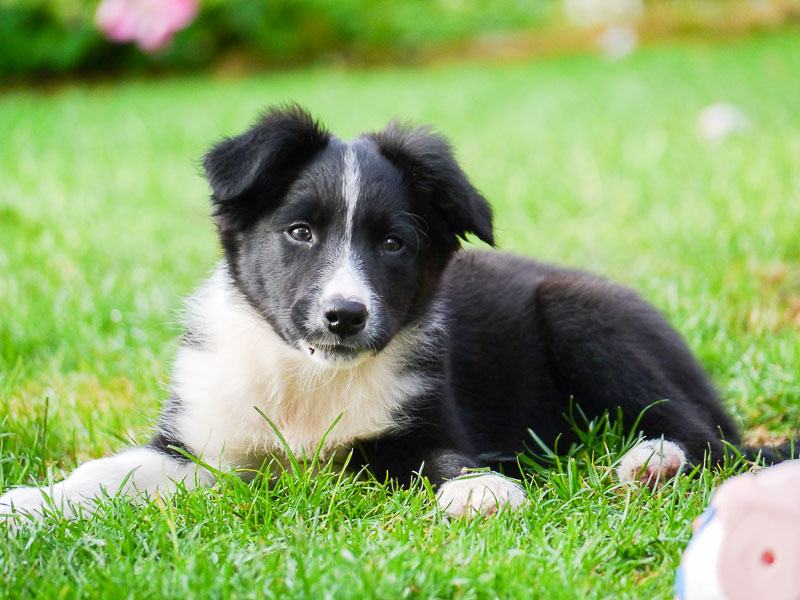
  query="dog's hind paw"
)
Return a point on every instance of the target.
[
  {"x": 480, "y": 494},
  {"x": 651, "y": 463}
]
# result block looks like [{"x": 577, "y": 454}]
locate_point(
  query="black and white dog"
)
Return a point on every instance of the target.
[{"x": 343, "y": 293}]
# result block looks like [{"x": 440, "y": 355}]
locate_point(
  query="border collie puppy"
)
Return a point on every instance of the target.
[{"x": 343, "y": 295}]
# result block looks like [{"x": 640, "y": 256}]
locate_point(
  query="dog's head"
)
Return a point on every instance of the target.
[{"x": 339, "y": 245}]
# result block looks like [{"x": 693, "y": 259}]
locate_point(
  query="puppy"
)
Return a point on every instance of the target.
[{"x": 343, "y": 295}]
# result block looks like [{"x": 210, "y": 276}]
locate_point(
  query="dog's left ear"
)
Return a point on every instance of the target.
[{"x": 430, "y": 169}]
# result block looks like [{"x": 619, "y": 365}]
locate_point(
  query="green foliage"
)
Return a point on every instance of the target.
[
  {"x": 46, "y": 36},
  {"x": 104, "y": 228},
  {"x": 35, "y": 39}
]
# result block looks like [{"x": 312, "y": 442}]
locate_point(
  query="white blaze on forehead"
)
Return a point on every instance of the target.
[
  {"x": 347, "y": 277},
  {"x": 351, "y": 187}
]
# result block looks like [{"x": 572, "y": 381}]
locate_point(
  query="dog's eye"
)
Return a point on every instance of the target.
[
  {"x": 301, "y": 233},
  {"x": 391, "y": 244}
]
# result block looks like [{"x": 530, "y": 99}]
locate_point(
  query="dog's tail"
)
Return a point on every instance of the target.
[{"x": 772, "y": 454}]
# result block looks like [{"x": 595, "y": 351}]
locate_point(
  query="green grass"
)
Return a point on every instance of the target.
[{"x": 104, "y": 228}]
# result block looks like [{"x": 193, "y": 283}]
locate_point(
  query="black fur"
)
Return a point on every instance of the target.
[{"x": 572, "y": 336}]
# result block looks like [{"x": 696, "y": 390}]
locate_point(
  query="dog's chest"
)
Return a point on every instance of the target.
[{"x": 243, "y": 369}]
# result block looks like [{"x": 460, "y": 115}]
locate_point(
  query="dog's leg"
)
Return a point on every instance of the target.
[
  {"x": 480, "y": 494},
  {"x": 462, "y": 493},
  {"x": 136, "y": 472},
  {"x": 459, "y": 492},
  {"x": 608, "y": 349}
]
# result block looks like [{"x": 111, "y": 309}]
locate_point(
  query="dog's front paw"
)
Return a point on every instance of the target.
[
  {"x": 479, "y": 494},
  {"x": 22, "y": 504},
  {"x": 651, "y": 463}
]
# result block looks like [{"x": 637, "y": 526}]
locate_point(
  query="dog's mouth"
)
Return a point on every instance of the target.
[
  {"x": 335, "y": 352},
  {"x": 333, "y": 349}
]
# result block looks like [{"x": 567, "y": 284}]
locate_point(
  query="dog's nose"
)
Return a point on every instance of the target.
[{"x": 345, "y": 317}]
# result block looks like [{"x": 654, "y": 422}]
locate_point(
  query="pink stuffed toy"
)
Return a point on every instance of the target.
[{"x": 746, "y": 545}]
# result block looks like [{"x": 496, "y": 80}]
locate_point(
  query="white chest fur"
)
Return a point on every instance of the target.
[{"x": 242, "y": 365}]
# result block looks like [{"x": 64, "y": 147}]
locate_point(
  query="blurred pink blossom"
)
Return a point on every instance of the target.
[{"x": 149, "y": 23}]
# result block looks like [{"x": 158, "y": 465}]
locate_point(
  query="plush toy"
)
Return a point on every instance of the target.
[{"x": 746, "y": 545}]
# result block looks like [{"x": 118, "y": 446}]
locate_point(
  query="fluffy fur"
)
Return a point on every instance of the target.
[{"x": 343, "y": 295}]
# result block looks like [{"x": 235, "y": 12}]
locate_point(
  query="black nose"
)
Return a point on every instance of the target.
[{"x": 345, "y": 317}]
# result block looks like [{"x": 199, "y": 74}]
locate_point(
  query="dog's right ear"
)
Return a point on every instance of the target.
[{"x": 251, "y": 172}]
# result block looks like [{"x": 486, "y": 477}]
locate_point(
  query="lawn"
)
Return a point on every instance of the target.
[{"x": 104, "y": 229}]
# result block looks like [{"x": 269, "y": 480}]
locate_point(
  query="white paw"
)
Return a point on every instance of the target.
[
  {"x": 651, "y": 463},
  {"x": 22, "y": 504},
  {"x": 479, "y": 494}
]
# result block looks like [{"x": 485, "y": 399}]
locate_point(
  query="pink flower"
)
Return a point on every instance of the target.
[{"x": 149, "y": 23}]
